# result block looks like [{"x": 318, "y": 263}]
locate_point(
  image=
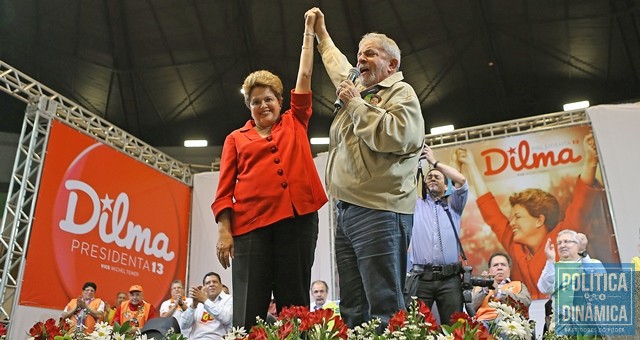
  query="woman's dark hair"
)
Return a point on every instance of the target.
[{"x": 89, "y": 284}]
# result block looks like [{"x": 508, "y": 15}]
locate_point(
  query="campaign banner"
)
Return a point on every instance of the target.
[
  {"x": 104, "y": 217},
  {"x": 523, "y": 190}
]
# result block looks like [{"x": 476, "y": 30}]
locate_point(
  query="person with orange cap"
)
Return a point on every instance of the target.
[{"x": 135, "y": 310}]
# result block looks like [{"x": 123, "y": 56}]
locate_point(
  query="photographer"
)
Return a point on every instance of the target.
[
  {"x": 435, "y": 267},
  {"x": 500, "y": 269}
]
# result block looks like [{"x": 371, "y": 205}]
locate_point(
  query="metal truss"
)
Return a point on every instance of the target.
[
  {"x": 44, "y": 105},
  {"x": 26, "y": 88},
  {"x": 508, "y": 128},
  {"x": 21, "y": 199}
]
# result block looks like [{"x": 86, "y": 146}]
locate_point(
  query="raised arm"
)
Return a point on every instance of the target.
[
  {"x": 476, "y": 179},
  {"x": 452, "y": 173},
  {"x": 546, "y": 282},
  {"x": 303, "y": 82},
  {"x": 590, "y": 163}
]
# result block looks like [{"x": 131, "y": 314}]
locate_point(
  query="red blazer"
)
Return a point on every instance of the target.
[{"x": 264, "y": 180}]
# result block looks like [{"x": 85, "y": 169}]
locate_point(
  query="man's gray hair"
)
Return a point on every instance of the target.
[{"x": 573, "y": 234}]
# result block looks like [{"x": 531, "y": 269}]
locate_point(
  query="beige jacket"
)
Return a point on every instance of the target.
[{"x": 374, "y": 147}]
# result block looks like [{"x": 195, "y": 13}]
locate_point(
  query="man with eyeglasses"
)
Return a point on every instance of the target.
[
  {"x": 177, "y": 304},
  {"x": 85, "y": 310},
  {"x": 570, "y": 247}
]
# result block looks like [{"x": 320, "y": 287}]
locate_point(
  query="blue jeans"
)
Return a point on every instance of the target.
[{"x": 371, "y": 253}]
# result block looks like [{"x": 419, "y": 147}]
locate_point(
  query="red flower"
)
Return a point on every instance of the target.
[
  {"x": 428, "y": 316},
  {"x": 37, "y": 329},
  {"x": 461, "y": 316},
  {"x": 318, "y": 317},
  {"x": 339, "y": 325},
  {"x": 520, "y": 307},
  {"x": 293, "y": 312},
  {"x": 423, "y": 308},
  {"x": 3, "y": 329},
  {"x": 257, "y": 333},
  {"x": 482, "y": 333},
  {"x": 397, "y": 320},
  {"x": 458, "y": 333},
  {"x": 51, "y": 328},
  {"x": 285, "y": 330}
]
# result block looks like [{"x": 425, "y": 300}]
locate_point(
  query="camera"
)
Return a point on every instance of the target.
[{"x": 469, "y": 281}]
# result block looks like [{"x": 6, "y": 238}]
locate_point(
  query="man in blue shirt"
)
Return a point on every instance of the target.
[{"x": 434, "y": 248}]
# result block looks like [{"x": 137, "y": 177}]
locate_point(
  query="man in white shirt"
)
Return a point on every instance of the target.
[
  {"x": 211, "y": 312},
  {"x": 570, "y": 245},
  {"x": 319, "y": 292},
  {"x": 177, "y": 304}
]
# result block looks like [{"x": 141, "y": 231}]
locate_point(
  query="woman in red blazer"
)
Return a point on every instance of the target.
[{"x": 269, "y": 194}]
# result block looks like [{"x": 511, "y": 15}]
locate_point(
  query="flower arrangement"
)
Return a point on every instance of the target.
[
  {"x": 50, "y": 330},
  {"x": 296, "y": 323},
  {"x": 415, "y": 323},
  {"x": 510, "y": 323}
]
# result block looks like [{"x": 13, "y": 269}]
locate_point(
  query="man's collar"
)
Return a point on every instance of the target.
[{"x": 392, "y": 79}]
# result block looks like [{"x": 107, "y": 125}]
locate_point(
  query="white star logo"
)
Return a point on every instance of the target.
[{"x": 106, "y": 202}]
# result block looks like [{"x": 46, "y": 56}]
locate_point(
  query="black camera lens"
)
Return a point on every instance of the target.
[{"x": 482, "y": 281}]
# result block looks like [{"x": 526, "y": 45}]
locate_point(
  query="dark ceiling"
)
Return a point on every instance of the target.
[{"x": 172, "y": 69}]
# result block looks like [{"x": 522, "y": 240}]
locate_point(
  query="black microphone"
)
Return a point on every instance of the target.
[{"x": 354, "y": 73}]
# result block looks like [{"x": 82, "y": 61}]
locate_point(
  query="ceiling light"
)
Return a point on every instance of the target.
[
  {"x": 441, "y": 129},
  {"x": 195, "y": 143},
  {"x": 576, "y": 106},
  {"x": 319, "y": 140}
]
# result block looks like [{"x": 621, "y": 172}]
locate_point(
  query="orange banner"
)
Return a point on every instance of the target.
[
  {"x": 105, "y": 217},
  {"x": 545, "y": 172}
]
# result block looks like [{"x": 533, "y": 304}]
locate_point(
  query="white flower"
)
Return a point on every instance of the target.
[
  {"x": 503, "y": 310},
  {"x": 512, "y": 329},
  {"x": 236, "y": 332},
  {"x": 445, "y": 337},
  {"x": 102, "y": 331},
  {"x": 119, "y": 336},
  {"x": 141, "y": 337},
  {"x": 96, "y": 336}
]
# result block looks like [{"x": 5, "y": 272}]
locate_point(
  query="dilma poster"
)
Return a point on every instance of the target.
[
  {"x": 524, "y": 189},
  {"x": 104, "y": 217}
]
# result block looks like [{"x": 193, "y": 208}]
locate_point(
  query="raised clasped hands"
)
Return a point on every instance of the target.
[
  {"x": 198, "y": 294},
  {"x": 80, "y": 303},
  {"x": 310, "y": 20}
]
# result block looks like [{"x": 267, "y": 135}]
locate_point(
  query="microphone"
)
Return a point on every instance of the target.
[{"x": 354, "y": 73}]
